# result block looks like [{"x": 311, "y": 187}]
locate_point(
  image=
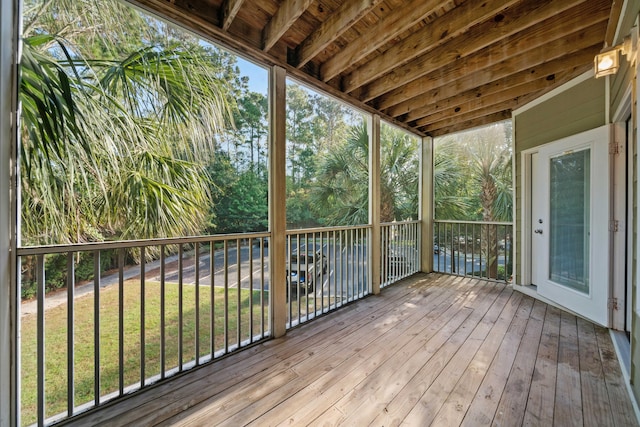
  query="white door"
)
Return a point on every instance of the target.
[{"x": 570, "y": 223}]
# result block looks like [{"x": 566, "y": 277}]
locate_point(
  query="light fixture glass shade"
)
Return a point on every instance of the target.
[{"x": 607, "y": 62}]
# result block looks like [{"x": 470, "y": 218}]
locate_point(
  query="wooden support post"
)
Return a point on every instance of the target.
[
  {"x": 277, "y": 200},
  {"x": 9, "y": 297},
  {"x": 426, "y": 205},
  {"x": 374, "y": 202}
]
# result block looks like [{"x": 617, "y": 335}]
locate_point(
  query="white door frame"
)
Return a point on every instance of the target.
[
  {"x": 616, "y": 288},
  {"x": 623, "y": 256}
]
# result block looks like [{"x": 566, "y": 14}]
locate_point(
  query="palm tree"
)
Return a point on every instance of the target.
[
  {"x": 451, "y": 200},
  {"x": 341, "y": 190},
  {"x": 474, "y": 168},
  {"x": 489, "y": 154},
  {"x": 119, "y": 116}
]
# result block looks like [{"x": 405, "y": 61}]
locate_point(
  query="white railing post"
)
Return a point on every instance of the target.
[
  {"x": 9, "y": 296},
  {"x": 277, "y": 200},
  {"x": 374, "y": 202},
  {"x": 426, "y": 204}
]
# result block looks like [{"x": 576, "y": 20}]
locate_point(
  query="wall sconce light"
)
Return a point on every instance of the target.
[{"x": 607, "y": 62}]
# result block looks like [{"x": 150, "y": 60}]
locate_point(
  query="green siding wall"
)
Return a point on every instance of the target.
[{"x": 620, "y": 84}]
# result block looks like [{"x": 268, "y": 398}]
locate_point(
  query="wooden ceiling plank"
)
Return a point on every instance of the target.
[
  {"x": 614, "y": 17},
  {"x": 337, "y": 23},
  {"x": 471, "y": 116},
  {"x": 463, "y": 122},
  {"x": 517, "y": 101},
  {"x": 461, "y": 126},
  {"x": 389, "y": 27},
  {"x": 288, "y": 12},
  {"x": 439, "y": 32},
  {"x": 230, "y": 9},
  {"x": 479, "y": 67},
  {"x": 474, "y": 100},
  {"x": 423, "y": 104},
  {"x": 467, "y": 103},
  {"x": 526, "y": 41},
  {"x": 548, "y": 23}
]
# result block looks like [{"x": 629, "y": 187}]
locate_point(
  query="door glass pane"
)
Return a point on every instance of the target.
[{"x": 569, "y": 220}]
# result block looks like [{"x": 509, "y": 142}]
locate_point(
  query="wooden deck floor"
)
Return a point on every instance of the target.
[{"x": 432, "y": 350}]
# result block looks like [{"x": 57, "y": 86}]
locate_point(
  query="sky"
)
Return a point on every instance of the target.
[{"x": 258, "y": 76}]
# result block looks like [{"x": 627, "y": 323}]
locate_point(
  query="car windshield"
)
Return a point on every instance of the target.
[{"x": 302, "y": 259}]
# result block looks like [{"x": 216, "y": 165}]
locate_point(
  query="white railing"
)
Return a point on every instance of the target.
[
  {"x": 326, "y": 268},
  {"x": 399, "y": 251},
  {"x": 182, "y": 303},
  {"x": 479, "y": 249}
]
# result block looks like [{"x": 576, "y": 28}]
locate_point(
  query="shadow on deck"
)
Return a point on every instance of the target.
[{"x": 430, "y": 350}]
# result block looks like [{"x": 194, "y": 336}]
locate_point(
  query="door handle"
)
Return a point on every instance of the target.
[{"x": 538, "y": 231}]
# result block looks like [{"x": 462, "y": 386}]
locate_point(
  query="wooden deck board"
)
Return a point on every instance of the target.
[
  {"x": 621, "y": 406},
  {"x": 423, "y": 390},
  {"x": 460, "y": 398},
  {"x": 303, "y": 405},
  {"x": 433, "y": 399},
  {"x": 337, "y": 359},
  {"x": 568, "y": 404},
  {"x": 483, "y": 408},
  {"x": 594, "y": 388},
  {"x": 515, "y": 393},
  {"x": 540, "y": 404},
  {"x": 432, "y": 350}
]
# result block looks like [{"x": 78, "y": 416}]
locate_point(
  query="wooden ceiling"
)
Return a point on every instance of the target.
[{"x": 434, "y": 66}]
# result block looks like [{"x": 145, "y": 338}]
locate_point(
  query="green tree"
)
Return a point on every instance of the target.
[
  {"x": 451, "y": 198},
  {"x": 340, "y": 193},
  {"x": 473, "y": 170},
  {"x": 473, "y": 181},
  {"x": 299, "y": 134},
  {"x": 119, "y": 115},
  {"x": 329, "y": 124},
  {"x": 251, "y": 122},
  {"x": 341, "y": 190},
  {"x": 399, "y": 175},
  {"x": 241, "y": 203}
]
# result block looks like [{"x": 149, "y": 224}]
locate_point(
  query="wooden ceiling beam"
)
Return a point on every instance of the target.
[
  {"x": 229, "y": 9},
  {"x": 469, "y": 102},
  {"x": 523, "y": 28},
  {"x": 612, "y": 26},
  {"x": 423, "y": 104},
  {"x": 461, "y": 121},
  {"x": 473, "y": 123},
  {"x": 471, "y": 116},
  {"x": 288, "y": 12},
  {"x": 531, "y": 50},
  {"x": 437, "y": 33},
  {"x": 388, "y": 28},
  {"x": 338, "y": 22}
]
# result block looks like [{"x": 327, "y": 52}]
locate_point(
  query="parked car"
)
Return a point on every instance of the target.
[{"x": 304, "y": 266}]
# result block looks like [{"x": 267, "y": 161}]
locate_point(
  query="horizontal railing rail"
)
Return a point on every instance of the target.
[
  {"x": 400, "y": 251},
  {"x": 325, "y": 269},
  {"x": 126, "y": 244},
  {"x": 132, "y": 313},
  {"x": 479, "y": 249}
]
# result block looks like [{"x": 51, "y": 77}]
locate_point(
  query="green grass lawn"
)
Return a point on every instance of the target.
[{"x": 56, "y": 339}]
